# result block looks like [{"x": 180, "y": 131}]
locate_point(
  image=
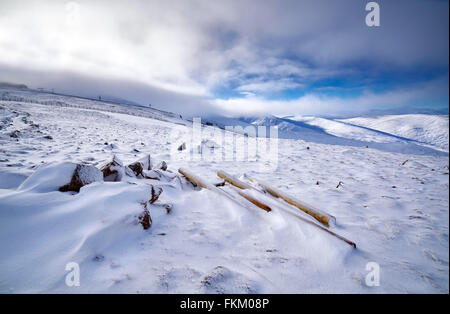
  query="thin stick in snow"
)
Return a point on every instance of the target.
[{"x": 325, "y": 229}]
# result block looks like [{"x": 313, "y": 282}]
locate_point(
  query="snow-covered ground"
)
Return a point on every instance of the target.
[
  {"x": 392, "y": 202},
  {"x": 426, "y": 129}
]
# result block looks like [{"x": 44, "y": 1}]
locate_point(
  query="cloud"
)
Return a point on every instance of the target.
[
  {"x": 90, "y": 86},
  {"x": 269, "y": 86},
  {"x": 314, "y": 103},
  {"x": 221, "y": 49}
]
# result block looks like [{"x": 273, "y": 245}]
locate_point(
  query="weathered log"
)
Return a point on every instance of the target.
[
  {"x": 206, "y": 185},
  {"x": 325, "y": 229},
  {"x": 233, "y": 180},
  {"x": 240, "y": 184},
  {"x": 319, "y": 215},
  {"x": 198, "y": 181},
  {"x": 253, "y": 200}
]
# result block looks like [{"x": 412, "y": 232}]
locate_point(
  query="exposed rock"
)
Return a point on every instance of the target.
[
  {"x": 15, "y": 134},
  {"x": 112, "y": 146},
  {"x": 167, "y": 207},
  {"x": 152, "y": 175},
  {"x": 137, "y": 168},
  {"x": 98, "y": 258},
  {"x": 146, "y": 163},
  {"x": 113, "y": 171},
  {"x": 182, "y": 147},
  {"x": 158, "y": 174},
  {"x": 83, "y": 175},
  {"x": 129, "y": 172},
  {"x": 162, "y": 165},
  {"x": 144, "y": 219},
  {"x": 156, "y": 192}
]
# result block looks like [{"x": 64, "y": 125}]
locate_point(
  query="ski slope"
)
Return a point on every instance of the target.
[{"x": 392, "y": 202}]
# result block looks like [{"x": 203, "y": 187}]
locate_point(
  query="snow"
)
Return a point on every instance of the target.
[
  {"x": 427, "y": 129},
  {"x": 88, "y": 174},
  {"x": 393, "y": 203},
  {"x": 348, "y": 132},
  {"x": 49, "y": 177}
]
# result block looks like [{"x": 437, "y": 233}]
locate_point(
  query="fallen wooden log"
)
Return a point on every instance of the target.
[
  {"x": 319, "y": 215},
  {"x": 233, "y": 180},
  {"x": 252, "y": 199},
  {"x": 206, "y": 185},
  {"x": 242, "y": 185},
  {"x": 323, "y": 217},
  {"x": 324, "y": 229}
]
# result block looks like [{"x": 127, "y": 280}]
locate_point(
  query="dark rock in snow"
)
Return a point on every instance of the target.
[
  {"x": 144, "y": 219},
  {"x": 83, "y": 175},
  {"x": 113, "y": 170},
  {"x": 137, "y": 168},
  {"x": 112, "y": 146},
  {"x": 141, "y": 166},
  {"x": 162, "y": 165},
  {"x": 156, "y": 192},
  {"x": 15, "y": 134},
  {"x": 98, "y": 258},
  {"x": 146, "y": 163}
]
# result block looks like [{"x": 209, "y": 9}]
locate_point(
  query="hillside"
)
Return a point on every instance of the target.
[{"x": 389, "y": 195}]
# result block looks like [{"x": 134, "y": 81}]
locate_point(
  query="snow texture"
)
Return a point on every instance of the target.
[{"x": 392, "y": 202}]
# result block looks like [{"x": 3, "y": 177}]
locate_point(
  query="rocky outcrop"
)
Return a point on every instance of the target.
[
  {"x": 82, "y": 175},
  {"x": 113, "y": 170}
]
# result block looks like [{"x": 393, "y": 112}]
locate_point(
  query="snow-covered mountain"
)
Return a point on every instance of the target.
[
  {"x": 430, "y": 130},
  {"x": 387, "y": 189},
  {"x": 414, "y": 134}
]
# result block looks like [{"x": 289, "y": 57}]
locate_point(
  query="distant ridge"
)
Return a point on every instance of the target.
[{"x": 13, "y": 85}]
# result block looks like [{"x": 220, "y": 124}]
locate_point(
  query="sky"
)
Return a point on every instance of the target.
[{"x": 234, "y": 57}]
